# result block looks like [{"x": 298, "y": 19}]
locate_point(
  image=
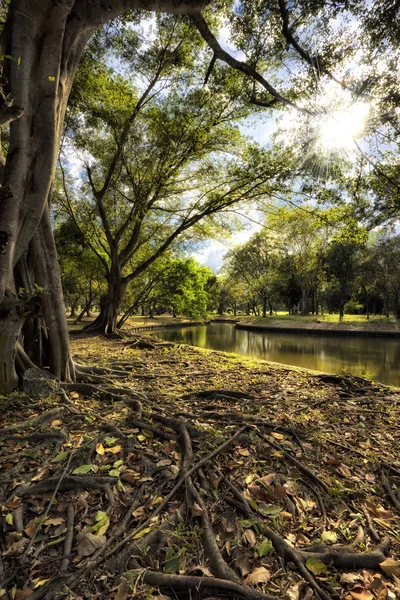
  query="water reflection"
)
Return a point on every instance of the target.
[{"x": 374, "y": 358}]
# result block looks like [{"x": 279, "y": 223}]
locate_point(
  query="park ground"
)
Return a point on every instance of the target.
[
  {"x": 376, "y": 323},
  {"x": 90, "y": 496}
]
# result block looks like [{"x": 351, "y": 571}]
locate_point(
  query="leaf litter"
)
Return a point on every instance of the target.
[{"x": 237, "y": 479}]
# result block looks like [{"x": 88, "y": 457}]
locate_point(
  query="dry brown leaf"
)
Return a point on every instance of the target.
[
  {"x": 267, "y": 479},
  {"x": 123, "y": 590},
  {"x": 390, "y": 567},
  {"x": 361, "y": 595},
  {"x": 379, "y": 588},
  {"x": 279, "y": 492},
  {"x": 202, "y": 569},
  {"x": 250, "y": 537},
  {"x": 197, "y": 511},
  {"x": 88, "y": 543},
  {"x": 259, "y": 575},
  {"x": 244, "y": 565},
  {"x": 351, "y": 578},
  {"x": 277, "y": 435},
  {"x": 22, "y": 594}
]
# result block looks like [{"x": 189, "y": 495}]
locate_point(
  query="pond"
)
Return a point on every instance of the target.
[{"x": 372, "y": 358}]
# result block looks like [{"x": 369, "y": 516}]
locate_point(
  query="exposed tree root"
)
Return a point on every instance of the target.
[
  {"x": 69, "y": 483},
  {"x": 199, "y": 588},
  {"x": 180, "y": 491},
  {"x": 45, "y": 417}
]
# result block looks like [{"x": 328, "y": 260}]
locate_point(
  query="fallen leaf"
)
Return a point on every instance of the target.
[
  {"x": 82, "y": 470},
  {"x": 259, "y": 575},
  {"x": 362, "y": 595},
  {"x": 277, "y": 435},
  {"x": 22, "y": 594},
  {"x": 329, "y": 537},
  {"x": 88, "y": 543},
  {"x": 279, "y": 492},
  {"x": 201, "y": 569},
  {"x": 61, "y": 456},
  {"x": 122, "y": 590},
  {"x": 351, "y": 578},
  {"x": 264, "y": 548},
  {"x": 270, "y": 510},
  {"x": 243, "y": 452},
  {"x": 197, "y": 511},
  {"x": 317, "y": 567},
  {"x": 244, "y": 565},
  {"x": 267, "y": 479},
  {"x": 390, "y": 567},
  {"x": 100, "y": 448},
  {"x": 379, "y": 588},
  {"x": 250, "y": 537},
  {"x": 114, "y": 449}
]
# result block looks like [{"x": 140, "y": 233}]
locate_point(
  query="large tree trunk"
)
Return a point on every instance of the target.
[
  {"x": 106, "y": 322},
  {"x": 45, "y": 39}
]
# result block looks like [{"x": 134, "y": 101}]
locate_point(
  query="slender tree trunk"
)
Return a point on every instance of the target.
[
  {"x": 304, "y": 301},
  {"x": 264, "y": 307},
  {"x": 341, "y": 311}
]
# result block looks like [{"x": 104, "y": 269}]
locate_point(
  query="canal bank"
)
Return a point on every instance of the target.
[{"x": 373, "y": 357}]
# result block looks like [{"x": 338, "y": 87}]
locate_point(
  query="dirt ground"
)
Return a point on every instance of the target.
[{"x": 175, "y": 472}]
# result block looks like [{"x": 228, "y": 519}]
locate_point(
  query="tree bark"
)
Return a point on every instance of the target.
[
  {"x": 106, "y": 321},
  {"x": 45, "y": 39}
]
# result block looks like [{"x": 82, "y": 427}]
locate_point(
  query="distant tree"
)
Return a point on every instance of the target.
[
  {"x": 303, "y": 234},
  {"x": 342, "y": 263}
]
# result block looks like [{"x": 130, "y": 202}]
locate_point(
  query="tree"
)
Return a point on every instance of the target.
[
  {"x": 254, "y": 265},
  {"x": 42, "y": 43},
  {"x": 342, "y": 262},
  {"x": 302, "y": 233},
  {"x": 155, "y": 173}
]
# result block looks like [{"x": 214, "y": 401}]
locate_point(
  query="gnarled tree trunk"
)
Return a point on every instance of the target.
[{"x": 45, "y": 40}]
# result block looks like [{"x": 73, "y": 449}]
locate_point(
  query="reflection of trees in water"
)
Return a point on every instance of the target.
[{"x": 378, "y": 358}]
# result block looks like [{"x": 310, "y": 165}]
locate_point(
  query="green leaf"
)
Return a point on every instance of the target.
[
  {"x": 149, "y": 434},
  {"x": 317, "y": 567},
  {"x": 270, "y": 510},
  {"x": 100, "y": 515},
  {"x": 248, "y": 523},
  {"x": 118, "y": 463},
  {"x": 61, "y": 456},
  {"x": 264, "y": 548},
  {"x": 51, "y": 78},
  {"x": 110, "y": 441},
  {"x": 101, "y": 527},
  {"x": 142, "y": 533},
  {"x": 9, "y": 519},
  {"x": 82, "y": 470},
  {"x": 329, "y": 536},
  {"x": 114, "y": 473},
  {"x": 171, "y": 564}
]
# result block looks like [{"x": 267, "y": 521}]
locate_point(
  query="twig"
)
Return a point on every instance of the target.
[
  {"x": 388, "y": 488},
  {"x": 85, "y": 570},
  {"x": 68, "y": 538},
  {"x": 42, "y": 520},
  {"x": 369, "y": 523},
  {"x": 294, "y": 460}
]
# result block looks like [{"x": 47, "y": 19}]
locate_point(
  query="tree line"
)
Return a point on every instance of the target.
[{"x": 305, "y": 261}]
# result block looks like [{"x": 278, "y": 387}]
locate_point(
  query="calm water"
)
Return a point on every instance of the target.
[{"x": 373, "y": 358}]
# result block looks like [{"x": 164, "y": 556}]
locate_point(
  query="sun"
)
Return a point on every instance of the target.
[{"x": 337, "y": 130}]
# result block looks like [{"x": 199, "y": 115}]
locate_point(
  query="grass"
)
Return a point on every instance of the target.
[{"x": 374, "y": 323}]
